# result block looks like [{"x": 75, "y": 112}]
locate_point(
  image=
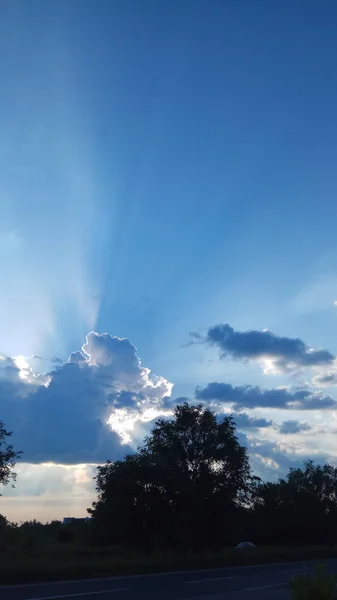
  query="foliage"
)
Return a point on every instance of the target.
[
  {"x": 319, "y": 587},
  {"x": 184, "y": 488},
  {"x": 8, "y": 457},
  {"x": 189, "y": 487},
  {"x": 308, "y": 495},
  {"x": 188, "y": 490}
]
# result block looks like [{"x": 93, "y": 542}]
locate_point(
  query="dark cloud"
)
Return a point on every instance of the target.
[
  {"x": 286, "y": 353},
  {"x": 62, "y": 416},
  {"x": 326, "y": 380},
  {"x": 294, "y": 427},
  {"x": 244, "y": 421},
  {"x": 247, "y": 396}
]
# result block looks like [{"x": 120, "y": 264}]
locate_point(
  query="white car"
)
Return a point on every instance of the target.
[{"x": 246, "y": 545}]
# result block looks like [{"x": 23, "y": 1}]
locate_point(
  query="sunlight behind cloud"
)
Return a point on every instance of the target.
[
  {"x": 22, "y": 364},
  {"x": 123, "y": 423}
]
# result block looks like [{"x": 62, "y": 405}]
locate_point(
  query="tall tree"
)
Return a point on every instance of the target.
[
  {"x": 181, "y": 488},
  {"x": 8, "y": 457}
]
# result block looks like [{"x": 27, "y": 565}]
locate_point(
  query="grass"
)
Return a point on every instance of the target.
[{"x": 66, "y": 563}]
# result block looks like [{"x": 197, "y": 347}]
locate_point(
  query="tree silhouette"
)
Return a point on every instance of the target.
[
  {"x": 190, "y": 487},
  {"x": 181, "y": 489},
  {"x": 300, "y": 509},
  {"x": 8, "y": 457}
]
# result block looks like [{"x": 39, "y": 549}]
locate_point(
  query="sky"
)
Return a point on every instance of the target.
[{"x": 168, "y": 215}]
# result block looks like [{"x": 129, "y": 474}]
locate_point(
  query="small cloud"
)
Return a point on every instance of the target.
[
  {"x": 277, "y": 354},
  {"x": 325, "y": 380},
  {"x": 325, "y": 376},
  {"x": 244, "y": 421},
  {"x": 294, "y": 427}
]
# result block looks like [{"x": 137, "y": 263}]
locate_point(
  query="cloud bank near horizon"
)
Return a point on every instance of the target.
[{"x": 102, "y": 401}]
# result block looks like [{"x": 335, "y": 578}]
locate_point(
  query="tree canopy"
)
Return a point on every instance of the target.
[
  {"x": 190, "y": 487},
  {"x": 302, "y": 507},
  {"x": 191, "y": 469}
]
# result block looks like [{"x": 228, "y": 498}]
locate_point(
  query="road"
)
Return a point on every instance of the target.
[{"x": 247, "y": 583}]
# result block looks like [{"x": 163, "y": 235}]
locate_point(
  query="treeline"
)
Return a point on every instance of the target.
[
  {"x": 190, "y": 487},
  {"x": 33, "y": 536}
]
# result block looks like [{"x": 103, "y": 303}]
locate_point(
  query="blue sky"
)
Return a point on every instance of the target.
[{"x": 165, "y": 167}]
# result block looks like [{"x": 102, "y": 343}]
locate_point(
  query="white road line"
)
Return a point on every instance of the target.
[
  {"x": 213, "y": 579},
  {"x": 293, "y": 570},
  {"x": 262, "y": 587},
  {"x": 165, "y": 573},
  {"x": 252, "y": 589},
  {"x": 201, "y": 597},
  {"x": 93, "y": 593}
]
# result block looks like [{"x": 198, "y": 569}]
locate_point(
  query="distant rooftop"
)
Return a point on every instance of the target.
[{"x": 67, "y": 520}]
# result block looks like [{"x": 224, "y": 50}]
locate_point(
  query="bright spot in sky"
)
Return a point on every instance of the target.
[
  {"x": 121, "y": 422},
  {"x": 22, "y": 364}
]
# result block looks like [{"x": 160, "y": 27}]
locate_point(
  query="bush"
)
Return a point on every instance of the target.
[
  {"x": 318, "y": 587},
  {"x": 65, "y": 536}
]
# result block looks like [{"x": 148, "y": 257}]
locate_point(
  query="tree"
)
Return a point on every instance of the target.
[
  {"x": 183, "y": 488},
  {"x": 8, "y": 457},
  {"x": 300, "y": 509}
]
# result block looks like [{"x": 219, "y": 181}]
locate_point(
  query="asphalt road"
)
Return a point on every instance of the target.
[{"x": 252, "y": 583}]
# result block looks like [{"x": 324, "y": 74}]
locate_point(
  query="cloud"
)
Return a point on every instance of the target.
[
  {"x": 326, "y": 379},
  {"x": 294, "y": 427},
  {"x": 82, "y": 411},
  {"x": 325, "y": 376},
  {"x": 279, "y": 354},
  {"x": 247, "y": 396},
  {"x": 270, "y": 460},
  {"x": 244, "y": 421},
  {"x": 49, "y": 491},
  {"x": 99, "y": 404},
  {"x": 48, "y": 478}
]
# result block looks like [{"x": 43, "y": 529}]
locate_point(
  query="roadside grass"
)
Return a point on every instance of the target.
[{"x": 64, "y": 562}]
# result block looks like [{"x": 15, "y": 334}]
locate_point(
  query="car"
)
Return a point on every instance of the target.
[{"x": 246, "y": 545}]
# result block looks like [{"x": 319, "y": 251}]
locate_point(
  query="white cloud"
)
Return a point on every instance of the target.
[{"x": 82, "y": 410}]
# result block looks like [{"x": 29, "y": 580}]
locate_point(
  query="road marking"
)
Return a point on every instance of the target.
[
  {"x": 202, "y": 597},
  {"x": 252, "y": 589},
  {"x": 165, "y": 573},
  {"x": 93, "y": 593},
  {"x": 293, "y": 570},
  {"x": 213, "y": 579},
  {"x": 262, "y": 587}
]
